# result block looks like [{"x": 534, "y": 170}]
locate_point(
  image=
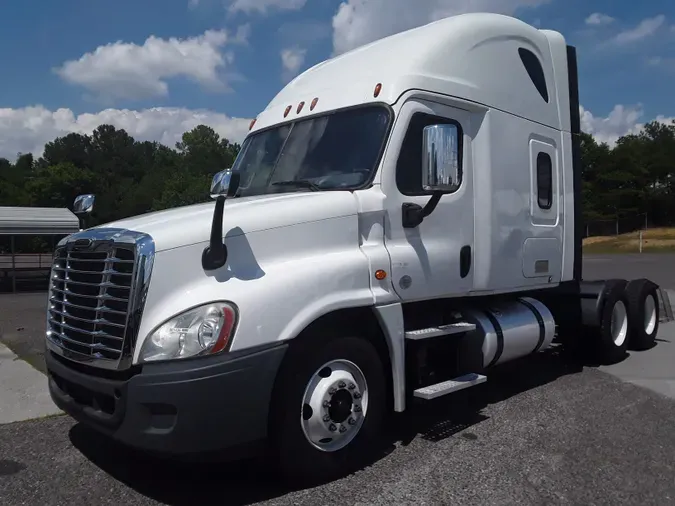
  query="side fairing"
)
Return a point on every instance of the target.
[{"x": 280, "y": 279}]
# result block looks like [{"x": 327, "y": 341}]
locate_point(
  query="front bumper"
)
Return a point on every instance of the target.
[{"x": 183, "y": 407}]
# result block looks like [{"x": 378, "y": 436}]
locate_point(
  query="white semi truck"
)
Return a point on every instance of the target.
[{"x": 400, "y": 219}]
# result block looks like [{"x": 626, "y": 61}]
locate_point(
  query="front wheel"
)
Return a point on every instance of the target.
[{"x": 327, "y": 409}]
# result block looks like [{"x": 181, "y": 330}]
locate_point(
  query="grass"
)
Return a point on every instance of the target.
[{"x": 655, "y": 240}]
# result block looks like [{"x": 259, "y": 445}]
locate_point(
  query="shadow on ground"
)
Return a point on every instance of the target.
[{"x": 251, "y": 481}]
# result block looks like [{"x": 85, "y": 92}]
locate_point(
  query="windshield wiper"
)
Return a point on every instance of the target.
[{"x": 302, "y": 183}]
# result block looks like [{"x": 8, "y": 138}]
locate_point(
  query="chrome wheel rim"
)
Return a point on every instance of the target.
[
  {"x": 650, "y": 314},
  {"x": 334, "y": 405},
  {"x": 619, "y": 323}
]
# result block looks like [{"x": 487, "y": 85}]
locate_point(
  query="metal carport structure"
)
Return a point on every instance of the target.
[{"x": 32, "y": 221}]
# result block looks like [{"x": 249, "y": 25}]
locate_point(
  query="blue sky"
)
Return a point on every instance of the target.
[{"x": 76, "y": 63}]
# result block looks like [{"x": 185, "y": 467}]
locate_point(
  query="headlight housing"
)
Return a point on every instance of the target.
[{"x": 202, "y": 330}]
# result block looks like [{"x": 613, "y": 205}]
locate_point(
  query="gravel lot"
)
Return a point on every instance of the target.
[
  {"x": 545, "y": 434},
  {"x": 544, "y": 431}
]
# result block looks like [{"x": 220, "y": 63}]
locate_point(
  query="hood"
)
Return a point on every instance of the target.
[{"x": 187, "y": 225}]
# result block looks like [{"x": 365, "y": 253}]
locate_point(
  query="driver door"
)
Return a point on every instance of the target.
[{"x": 435, "y": 258}]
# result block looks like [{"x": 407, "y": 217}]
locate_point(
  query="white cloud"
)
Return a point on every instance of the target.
[
  {"x": 622, "y": 120},
  {"x": 597, "y": 18},
  {"x": 262, "y": 6},
  {"x": 358, "y": 22},
  {"x": 127, "y": 70},
  {"x": 26, "y": 130},
  {"x": 646, "y": 28},
  {"x": 291, "y": 61},
  {"x": 193, "y": 4}
]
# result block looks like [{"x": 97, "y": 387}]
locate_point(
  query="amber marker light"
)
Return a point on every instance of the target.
[
  {"x": 300, "y": 106},
  {"x": 313, "y": 104},
  {"x": 288, "y": 109},
  {"x": 378, "y": 89},
  {"x": 380, "y": 274},
  {"x": 252, "y": 123}
]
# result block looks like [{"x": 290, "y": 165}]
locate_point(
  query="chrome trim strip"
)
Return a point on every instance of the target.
[{"x": 140, "y": 281}]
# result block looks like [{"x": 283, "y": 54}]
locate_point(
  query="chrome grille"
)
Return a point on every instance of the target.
[{"x": 97, "y": 290}]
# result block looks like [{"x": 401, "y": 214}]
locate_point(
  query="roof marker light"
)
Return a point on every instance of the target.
[
  {"x": 313, "y": 104},
  {"x": 288, "y": 109},
  {"x": 252, "y": 123},
  {"x": 378, "y": 89},
  {"x": 300, "y": 106}
]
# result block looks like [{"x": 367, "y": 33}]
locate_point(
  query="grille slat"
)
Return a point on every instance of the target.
[
  {"x": 90, "y": 297},
  {"x": 99, "y": 285},
  {"x": 101, "y": 309},
  {"x": 99, "y": 321},
  {"x": 101, "y": 260},
  {"x": 77, "y": 271},
  {"x": 95, "y": 333},
  {"x": 103, "y": 296},
  {"x": 79, "y": 344}
]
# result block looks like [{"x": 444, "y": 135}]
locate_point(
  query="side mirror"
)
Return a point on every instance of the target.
[
  {"x": 214, "y": 255},
  {"x": 220, "y": 183},
  {"x": 84, "y": 204},
  {"x": 440, "y": 158}
]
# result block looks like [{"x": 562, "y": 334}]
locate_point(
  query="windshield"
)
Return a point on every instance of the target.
[{"x": 340, "y": 150}]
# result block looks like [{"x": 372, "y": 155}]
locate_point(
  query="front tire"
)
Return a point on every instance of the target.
[{"x": 327, "y": 409}]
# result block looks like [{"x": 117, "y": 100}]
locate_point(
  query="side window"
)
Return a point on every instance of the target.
[
  {"x": 535, "y": 71},
  {"x": 544, "y": 181},
  {"x": 409, "y": 163}
]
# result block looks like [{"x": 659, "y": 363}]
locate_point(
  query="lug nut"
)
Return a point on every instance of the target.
[
  {"x": 332, "y": 427},
  {"x": 332, "y": 391},
  {"x": 351, "y": 386},
  {"x": 326, "y": 404},
  {"x": 343, "y": 429},
  {"x": 342, "y": 384},
  {"x": 326, "y": 418},
  {"x": 357, "y": 395},
  {"x": 352, "y": 421},
  {"x": 357, "y": 409}
]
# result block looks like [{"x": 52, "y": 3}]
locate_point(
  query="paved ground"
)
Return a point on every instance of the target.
[
  {"x": 543, "y": 432},
  {"x": 22, "y": 390},
  {"x": 659, "y": 267}
]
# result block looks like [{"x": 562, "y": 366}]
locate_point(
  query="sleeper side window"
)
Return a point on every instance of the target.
[
  {"x": 535, "y": 71},
  {"x": 409, "y": 163},
  {"x": 544, "y": 181}
]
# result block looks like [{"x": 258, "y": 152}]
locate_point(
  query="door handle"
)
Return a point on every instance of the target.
[{"x": 465, "y": 261}]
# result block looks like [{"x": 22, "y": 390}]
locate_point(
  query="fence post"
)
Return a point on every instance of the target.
[
  {"x": 640, "y": 241},
  {"x": 12, "y": 247}
]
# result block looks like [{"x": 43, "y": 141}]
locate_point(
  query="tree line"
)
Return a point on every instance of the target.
[
  {"x": 635, "y": 178},
  {"x": 127, "y": 176},
  {"x": 131, "y": 177}
]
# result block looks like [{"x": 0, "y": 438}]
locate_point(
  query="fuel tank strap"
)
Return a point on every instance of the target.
[
  {"x": 500, "y": 337},
  {"x": 540, "y": 321}
]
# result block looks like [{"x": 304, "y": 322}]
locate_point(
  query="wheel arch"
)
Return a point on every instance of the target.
[{"x": 360, "y": 321}]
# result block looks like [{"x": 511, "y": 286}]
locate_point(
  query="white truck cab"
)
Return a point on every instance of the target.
[{"x": 400, "y": 219}]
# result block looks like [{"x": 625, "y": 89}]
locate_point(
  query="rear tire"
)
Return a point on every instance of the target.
[
  {"x": 327, "y": 409},
  {"x": 643, "y": 310},
  {"x": 613, "y": 333}
]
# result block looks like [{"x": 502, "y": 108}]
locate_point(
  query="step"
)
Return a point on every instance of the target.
[
  {"x": 665, "y": 306},
  {"x": 450, "y": 386},
  {"x": 441, "y": 330}
]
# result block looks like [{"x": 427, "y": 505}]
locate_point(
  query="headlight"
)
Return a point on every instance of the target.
[{"x": 203, "y": 330}]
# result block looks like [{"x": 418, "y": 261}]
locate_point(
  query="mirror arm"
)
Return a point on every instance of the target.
[
  {"x": 215, "y": 254},
  {"x": 413, "y": 214}
]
